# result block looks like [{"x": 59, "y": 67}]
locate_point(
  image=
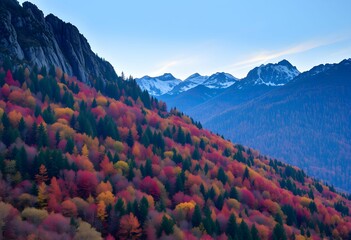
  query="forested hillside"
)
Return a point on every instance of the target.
[{"x": 107, "y": 161}]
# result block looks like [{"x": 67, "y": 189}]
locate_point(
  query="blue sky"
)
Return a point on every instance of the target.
[{"x": 205, "y": 36}]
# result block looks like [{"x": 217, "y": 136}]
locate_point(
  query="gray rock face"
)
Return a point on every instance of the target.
[{"x": 26, "y": 35}]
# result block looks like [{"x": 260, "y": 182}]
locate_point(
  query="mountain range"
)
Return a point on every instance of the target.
[
  {"x": 93, "y": 156},
  {"x": 275, "y": 108},
  {"x": 169, "y": 85}
]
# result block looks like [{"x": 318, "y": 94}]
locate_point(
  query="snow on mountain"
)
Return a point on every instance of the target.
[
  {"x": 271, "y": 75},
  {"x": 189, "y": 83},
  {"x": 220, "y": 80},
  {"x": 157, "y": 86}
]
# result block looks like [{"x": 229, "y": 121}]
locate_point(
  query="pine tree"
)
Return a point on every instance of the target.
[
  {"x": 221, "y": 176},
  {"x": 254, "y": 233},
  {"x": 246, "y": 174},
  {"x": 42, "y": 138},
  {"x": 196, "y": 218},
  {"x": 181, "y": 136},
  {"x": 196, "y": 154},
  {"x": 130, "y": 139},
  {"x": 233, "y": 193},
  {"x": 143, "y": 210},
  {"x": 279, "y": 232},
  {"x": 244, "y": 231},
  {"x": 232, "y": 228},
  {"x": 69, "y": 145},
  {"x": 148, "y": 168},
  {"x": 166, "y": 226}
]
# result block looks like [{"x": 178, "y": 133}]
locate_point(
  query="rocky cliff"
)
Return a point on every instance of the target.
[{"x": 26, "y": 35}]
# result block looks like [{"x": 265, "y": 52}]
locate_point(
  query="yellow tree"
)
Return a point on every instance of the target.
[
  {"x": 101, "y": 210},
  {"x": 85, "y": 150},
  {"x": 42, "y": 195}
]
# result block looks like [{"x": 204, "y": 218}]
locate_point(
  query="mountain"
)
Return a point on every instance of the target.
[
  {"x": 85, "y": 160},
  {"x": 219, "y": 80},
  {"x": 157, "y": 86},
  {"x": 189, "y": 83},
  {"x": 306, "y": 122},
  {"x": 191, "y": 98},
  {"x": 27, "y": 36},
  {"x": 258, "y": 81},
  {"x": 169, "y": 85},
  {"x": 272, "y": 74}
]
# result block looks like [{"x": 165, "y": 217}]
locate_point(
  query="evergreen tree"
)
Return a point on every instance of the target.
[
  {"x": 166, "y": 226},
  {"x": 233, "y": 193},
  {"x": 148, "y": 168},
  {"x": 94, "y": 104},
  {"x": 246, "y": 174},
  {"x": 221, "y": 176},
  {"x": 232, "y": 228},
  {"x": 181, "y": 136},
  {"x": 188, "y": 139},
  {"x": 130, "y": 139},
  {"x": 131, "y": 174},
  {"x": 69, "y": 145},
  {"x": 279, "y": 232},
  {"x": 254, "y": 233},
  {"x": 143, "y": 210},
  {"x": 196, "y": 218},
  {"x": 42, "y": 138},
  {"x": 119, "y": 207},
  {"x": 202, "y": 144},
  {"x": 244, "y": 231},
  {"x": 219, "y": 202},
  {"x": 196, "y": 154}
]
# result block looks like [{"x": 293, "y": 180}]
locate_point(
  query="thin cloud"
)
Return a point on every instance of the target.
[
  {"x": 172, "y": 65},
  {"x": 267, "y": 56},
  {"x": 166, "y": 67}
]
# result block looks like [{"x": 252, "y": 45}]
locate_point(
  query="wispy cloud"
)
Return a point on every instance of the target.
[
  {"x": 173, "y": 65},
  {"x": 264, "y": 57},
  {"x": 165, "y": 67}
]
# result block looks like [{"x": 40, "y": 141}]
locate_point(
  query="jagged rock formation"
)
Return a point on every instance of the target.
[{"x": 28, "y": 36}]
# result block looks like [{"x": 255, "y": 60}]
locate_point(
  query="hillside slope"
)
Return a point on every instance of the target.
[
  {"x": 306, "y": 123},
  {"x": 72, "y": 159},
  {"x": 81, "y": 161}
]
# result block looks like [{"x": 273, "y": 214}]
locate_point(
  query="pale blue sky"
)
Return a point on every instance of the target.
[{"x": 183, "y": 37}]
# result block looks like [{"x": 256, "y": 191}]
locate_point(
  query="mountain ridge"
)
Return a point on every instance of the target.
[{"x": 40, "y": 41}]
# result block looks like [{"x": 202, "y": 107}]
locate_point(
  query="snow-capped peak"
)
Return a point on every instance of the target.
[
  {"x": 158, "y": 86},
  {"x": 192, "y": 81},
  {"x": 220, "y": 80},
  {"x": 166, "y": 77},
  {"x": 272, "y": 74}
]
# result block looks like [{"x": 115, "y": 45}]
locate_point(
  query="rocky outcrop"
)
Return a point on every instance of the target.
[{"x": 27, "y": 36}]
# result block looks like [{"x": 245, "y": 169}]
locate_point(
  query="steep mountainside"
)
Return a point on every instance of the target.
[
  {"x": 157, "y": 86},
  {"x": 95, "y": 161},
  {"x": 28, "y": 36},
  {"x": 312, "y": 111}
]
